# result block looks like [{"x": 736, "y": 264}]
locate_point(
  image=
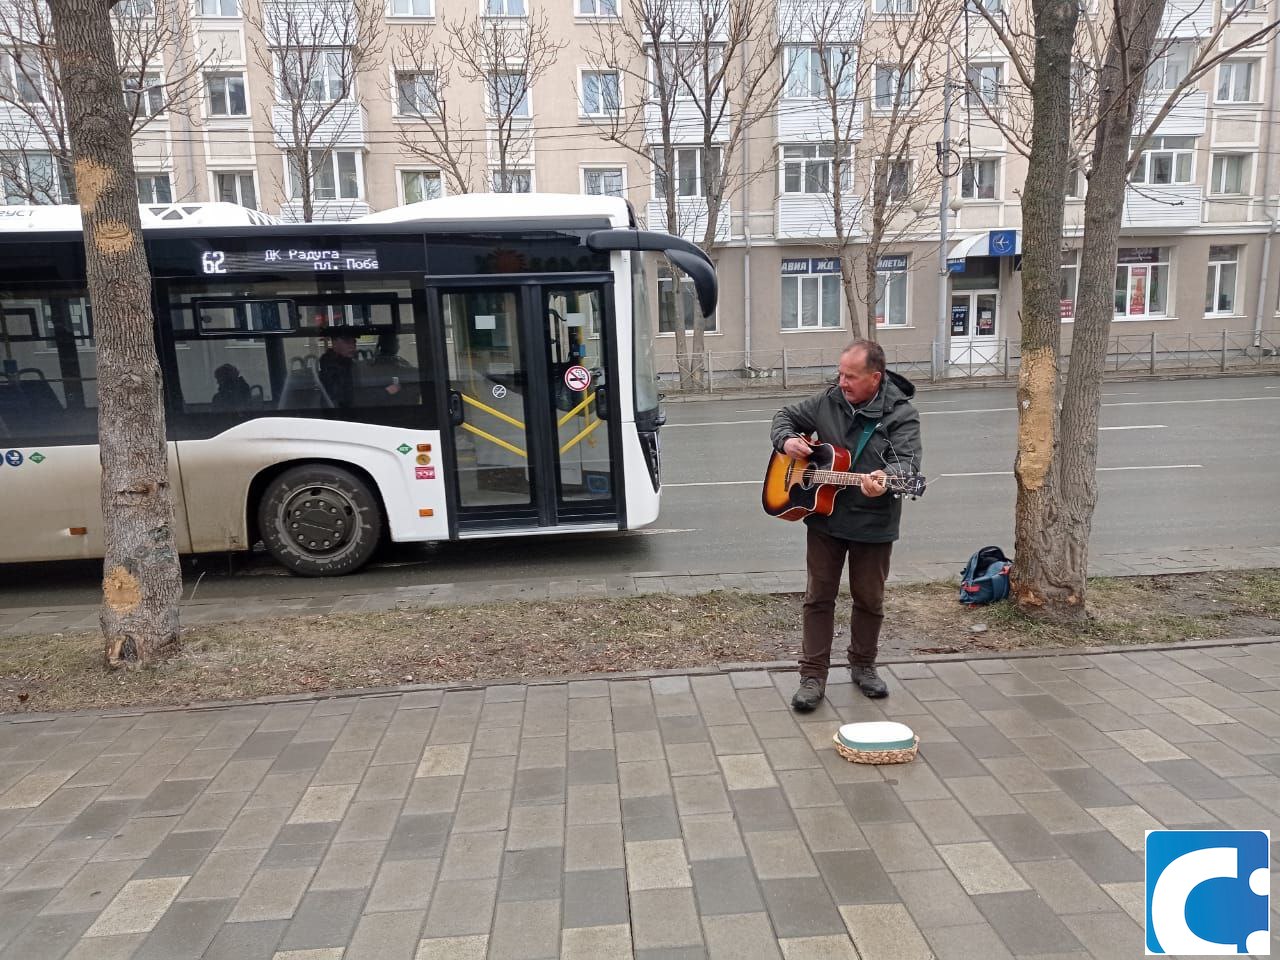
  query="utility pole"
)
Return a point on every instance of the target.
[{"x": 941, "y": 357}]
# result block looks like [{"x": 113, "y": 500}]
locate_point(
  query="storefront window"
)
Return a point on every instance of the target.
[
  {"x": 811, "y": 294},
  {"x": 1142, "y": 282},
  {"x": 1220, "y": 289},
  {"x": 891, "y": 290}
]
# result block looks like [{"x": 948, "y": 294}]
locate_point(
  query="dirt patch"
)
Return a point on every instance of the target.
[{"x": 589, "y": 635}]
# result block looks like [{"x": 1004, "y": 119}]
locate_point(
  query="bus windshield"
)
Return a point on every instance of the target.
[{"x": 646, "y": 367}]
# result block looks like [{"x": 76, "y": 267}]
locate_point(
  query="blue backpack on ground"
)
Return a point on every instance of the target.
[{"x": 986, "y": 577}]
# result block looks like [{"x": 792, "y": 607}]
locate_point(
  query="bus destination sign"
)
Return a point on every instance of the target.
[{"x": 285, "y": 259}]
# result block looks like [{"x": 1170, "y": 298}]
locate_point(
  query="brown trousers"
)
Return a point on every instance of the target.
[{"x": 868, "y": 569}]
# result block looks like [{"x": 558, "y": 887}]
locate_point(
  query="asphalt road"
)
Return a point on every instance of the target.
[{"x": 1189, "y": 463}]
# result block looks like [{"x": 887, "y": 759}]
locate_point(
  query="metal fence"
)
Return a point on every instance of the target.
[{"x": 997, "y": 361}]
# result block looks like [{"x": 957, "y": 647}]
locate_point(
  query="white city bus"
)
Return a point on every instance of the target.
[{"x": 478, "y": 366}]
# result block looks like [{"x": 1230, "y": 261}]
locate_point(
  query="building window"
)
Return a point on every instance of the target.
[
  {"x": 154, "y": 188},
  {"x": 805, "y": 78},
  {"x": 138, "y": 9},
  {"x": 897, "y": 179},
  {"x": 689, "y": 170},
  {"x": 313, "y": 75},
  {"x": 33, "y": 177},
  {"x": 991, "y": 6},
  {"x": 601, "y": 94},
  {"x": 508, "y": 94},
  {"x": 689, "y": 304},
  {"x": 978, "y": 179},
  {"x": 893, "y": 8},
  {"x": 1068, "y": 282},
  {"x": 226, "y": 95},
  {"x": 982, "y": 83},
  {"x": 513, "y": 181},
  {"x": 893, "y": 87},
  {"x": 416, "y": 95},
  {"x": 806, "y": 168},
  {"x": 811, "y": 294},
  {"x": 891, "y": 290},
  {"x": 144, "y": 96},
  {"x": 1169, "y": 69},
  {"x": 1230, "y": 174},
  {"x": 411, "y": 8},
  {"x": 1142, "y": 282},
  {"x": 602, "y": 182},
  {"x": 219, "y": 8},
  {"x": 236, "y": 187},
  {"x": 597, "y": 8},
  {"x": 504, "y": 8},
  {"x": 21, "y": 76},
  {"x": 1165, "y": 160},
  {"x": 419, "y": 185},
  {"x": 1075, "y": 182},
  {"x": 1220, "y": 289},
  {"x": 335, "y": 175},
  {"x": 1235, "y": 81}
]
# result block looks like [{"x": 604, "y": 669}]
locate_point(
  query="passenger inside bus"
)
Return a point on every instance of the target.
[
  {"x": 345, "y": 383},
  {"x": 234, "y": 392}
]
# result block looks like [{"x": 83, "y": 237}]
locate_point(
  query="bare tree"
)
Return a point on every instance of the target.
[
  {"x": 157, "y": 71},
  {"x": 1112, "y": 113},
  {"x": 424, "y": 74},
  {"x": 507, "y": 56},
  {"x": 142, "y": 579},
  {"x": 701, "y": 75},
  {"x": 315, "y": 50},
  {"x": 880, "y": 178}
]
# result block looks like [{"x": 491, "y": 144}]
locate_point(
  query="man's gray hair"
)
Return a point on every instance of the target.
[{"x": 872, "y": 353}]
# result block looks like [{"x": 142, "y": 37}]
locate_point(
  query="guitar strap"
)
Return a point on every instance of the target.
[{"x": 862, "y": 442}]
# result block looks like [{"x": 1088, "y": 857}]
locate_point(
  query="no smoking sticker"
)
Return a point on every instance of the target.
[{"x": 577, "y": 378}]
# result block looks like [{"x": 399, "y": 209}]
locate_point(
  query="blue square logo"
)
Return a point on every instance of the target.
[{"x": 1209, "y": 892}]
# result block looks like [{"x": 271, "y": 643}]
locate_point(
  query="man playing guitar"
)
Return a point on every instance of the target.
[{"x": 869, "y": 412}]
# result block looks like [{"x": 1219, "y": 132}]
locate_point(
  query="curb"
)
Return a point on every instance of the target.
[{"x": 719, "y": 669}]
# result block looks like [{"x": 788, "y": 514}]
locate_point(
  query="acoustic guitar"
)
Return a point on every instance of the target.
[{"x": 795, "y": 488}]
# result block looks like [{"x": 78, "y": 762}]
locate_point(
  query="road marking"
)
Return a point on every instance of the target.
[
  {"x": 1139, "y": 426},
  {"x": 1131, "y": 394},
  {"x": 1160, "y": 466},
  {"x": 714, "y": 483},
  {"x": 714, "y": 423},
  {"x": 659, "y": 532},
  {"x": 983, "y": 473},
  {"x": 943, "y": 413}
]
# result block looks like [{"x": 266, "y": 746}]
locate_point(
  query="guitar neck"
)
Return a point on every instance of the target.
[{"x": 841, "y": 478}]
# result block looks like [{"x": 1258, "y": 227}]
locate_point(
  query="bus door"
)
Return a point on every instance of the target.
[{"x": 529, "y": 408}]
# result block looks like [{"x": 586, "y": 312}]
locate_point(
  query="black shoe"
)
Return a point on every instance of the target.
[
  {"x": 869, "y": 682},
  {"x": 809, "y": 695}
]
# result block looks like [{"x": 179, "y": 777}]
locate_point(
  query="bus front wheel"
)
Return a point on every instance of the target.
[{"x": 320, "y": 520}]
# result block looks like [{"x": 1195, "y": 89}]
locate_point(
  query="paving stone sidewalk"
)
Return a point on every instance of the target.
[{"x": 665, "y": 817}]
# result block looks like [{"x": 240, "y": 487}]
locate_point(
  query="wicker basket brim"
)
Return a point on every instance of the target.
[{"x": 904, "y": 755}]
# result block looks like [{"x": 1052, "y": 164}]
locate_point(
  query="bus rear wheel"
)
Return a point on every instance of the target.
[{"x": 320, "y": 520}]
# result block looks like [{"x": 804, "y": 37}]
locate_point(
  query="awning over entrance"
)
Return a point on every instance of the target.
[{"x": 992, "y": 243}]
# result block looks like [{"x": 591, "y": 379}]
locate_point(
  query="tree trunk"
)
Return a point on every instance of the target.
[
  {"x": 1039, "y": 576},
  {"x": 1095, "y": 306},
  {"x": 142, "y": 579},
  {"x": 850, "y": 291}
]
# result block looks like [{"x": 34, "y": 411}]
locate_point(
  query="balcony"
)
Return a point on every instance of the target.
[
  {"x": 1173, "y": 205},
  {"x": 809, "y": 121},
  {"x": 1186, "y": 119},
  {"x": 686, "y": 123},
  {"x": 810, "y": 216},
  {"x": 1187, "y": 18},
  {"x": 344, "y": 126},
  {"x": 691, "y": 218},
  {"x": 331, "y": 211}
]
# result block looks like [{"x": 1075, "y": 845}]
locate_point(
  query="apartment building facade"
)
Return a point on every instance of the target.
[{"x": 416, "y": 112}]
